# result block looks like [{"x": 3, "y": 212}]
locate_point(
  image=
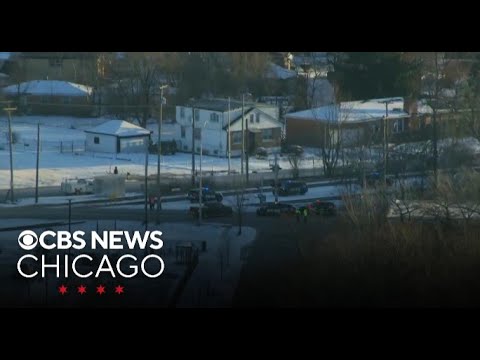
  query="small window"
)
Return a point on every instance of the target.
[
  {"x": 182, "y": 112},
  {"x": 214, "y": 117},
  {"x": 96, "y": 140},
  {"x": 252, "y": 118},
  {"x": 182, "y": 130},
  {"x": 197, "y": 133},
  {"x": 267, "y": 134},
  {"x": 215, "y": 152},
  {"x": 258, "y": 118},
  {"x": 197, "y": 114}
]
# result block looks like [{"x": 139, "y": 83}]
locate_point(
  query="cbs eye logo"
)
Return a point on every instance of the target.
[{"x": 27, "y": 240}]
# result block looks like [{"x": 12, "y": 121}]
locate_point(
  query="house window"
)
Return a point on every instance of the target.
[
  {"x": 252, "y": 118},
  {"x": 55, "y": 62},
  {"x": 214, "y": 117},
  {"x": 258, "y": 118},
  {"x": 237, "y": 137},
  {"x": 197, "y": 133},
  {"x": 398, "y": 126},
  {"x": 182, "y": 112},
  {"x": 96, "y": 140},
  {"x": 182, "y": 131},
  {"x": 197, "y": 114},
  {"x": 267, "y": 134}
]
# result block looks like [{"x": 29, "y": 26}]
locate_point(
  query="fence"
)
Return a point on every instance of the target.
[{"x": 61, "y": 146}]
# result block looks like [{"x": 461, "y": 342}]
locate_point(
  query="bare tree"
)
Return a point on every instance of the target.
[
  {"x": 136, "y": 82},
  {"x": 295, "y": 159}
]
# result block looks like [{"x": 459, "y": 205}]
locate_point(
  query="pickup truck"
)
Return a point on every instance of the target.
[{"x": 77, "y": 186}]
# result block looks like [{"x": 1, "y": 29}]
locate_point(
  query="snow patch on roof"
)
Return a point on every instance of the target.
[
  {"x": 119, "y": 128},
  {"x": 354, "y": 111},
  {"x": 277, "y": 72},
  {"x": 49, "y": 87}
]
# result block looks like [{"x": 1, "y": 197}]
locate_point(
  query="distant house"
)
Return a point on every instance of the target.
[
  {"x": 261, "y": 125},
  {"x": 355, "y": 122},
  {"x": 51, "y": 97},
  {"x": 117, "y": 136}
]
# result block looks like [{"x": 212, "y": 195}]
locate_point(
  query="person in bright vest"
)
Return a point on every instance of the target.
[{"x": 305, "y": 214}]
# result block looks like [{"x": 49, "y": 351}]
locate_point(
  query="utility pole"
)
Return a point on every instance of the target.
[
  {"x": 246, "y": 151},
  {"x": 193, "y": 145},
  {"x": 243, "y": 133},
  {"x": 159, "y": 152},
  {"x": 228, "y": 137},
  {"x": 275, "y": 169},
  {"x": 385, "y": 141},
  {"x": 434, "y": 120},
  {"x": 38, "y": 162},
  {"x": 10, "y": 137},
  {"x": 146, "y": 187}
]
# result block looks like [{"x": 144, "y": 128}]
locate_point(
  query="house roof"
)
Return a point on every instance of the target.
[
  {"x": 216, "y": 104},
  {"x": 119, "y": 128},
  {"x": 48, "y": 87},
  {"x": 275, "y": 71},
  {"x": 354, "y": 111},
  {"x": 247, "y": 112},
  {"x": 5, "y": 55}
]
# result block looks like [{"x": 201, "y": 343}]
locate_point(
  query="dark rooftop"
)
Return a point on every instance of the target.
[{"x": 218, "y": 104}]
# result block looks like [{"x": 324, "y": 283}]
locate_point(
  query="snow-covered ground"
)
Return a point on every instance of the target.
[{"x": 59, "y": 133}]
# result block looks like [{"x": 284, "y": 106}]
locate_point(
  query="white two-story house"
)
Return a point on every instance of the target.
[{"x": 220, "y": 121}]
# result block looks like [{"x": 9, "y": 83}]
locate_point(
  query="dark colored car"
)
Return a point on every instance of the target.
[
  {"x": 276, "y": 209},
  {"x": 261, "y": 153},
  {"x": 167, "y": 148},
  {"x": 212, "y": 210},
  {"x": 208, "y": 195},
  {"x": 291, "y": 187},
  {"x": 291, "y": 149},
  {"x": 322, "y": 208}
]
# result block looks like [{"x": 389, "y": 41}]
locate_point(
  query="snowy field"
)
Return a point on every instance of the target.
[{"x": 56, "y": 165}]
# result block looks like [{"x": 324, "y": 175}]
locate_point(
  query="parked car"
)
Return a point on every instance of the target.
[
  {"x": 207, "y": 195},
  {"x": 291, "y": 187},
  {"x": 261, "y": 153},
  {"x": 211, "y": 210},
  {"x": 291, "y": 149},
  {"x": 276, "y": 209},
  {"x": 320, "y": 207}
]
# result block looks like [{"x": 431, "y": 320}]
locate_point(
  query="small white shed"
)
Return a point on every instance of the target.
[{"x": 117, "y": 136}]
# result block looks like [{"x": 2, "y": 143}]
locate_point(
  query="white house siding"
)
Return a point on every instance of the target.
[
  {"x": 133, "y": 144},
  {"x": 214, "y": 135},
  {"x": 107, "y": 143}
]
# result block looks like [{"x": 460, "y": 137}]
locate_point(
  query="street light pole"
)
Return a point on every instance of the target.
[
  {"x": 159, "y": 149},
  {"x": 243, "y": 133},
  {"x": 200, "y": 183},
  {"x": 10, "y": 137},
  {"x": 228, "y": 137},
  {"x": 193, "y": 145}
]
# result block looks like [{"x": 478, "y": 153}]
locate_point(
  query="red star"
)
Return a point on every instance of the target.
[
  {"x": 119, "y": 289},
  {"x": 82, "y": 289},
  {"x": 100, "y": 289},
  {"x": 62, "y": 289}
]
